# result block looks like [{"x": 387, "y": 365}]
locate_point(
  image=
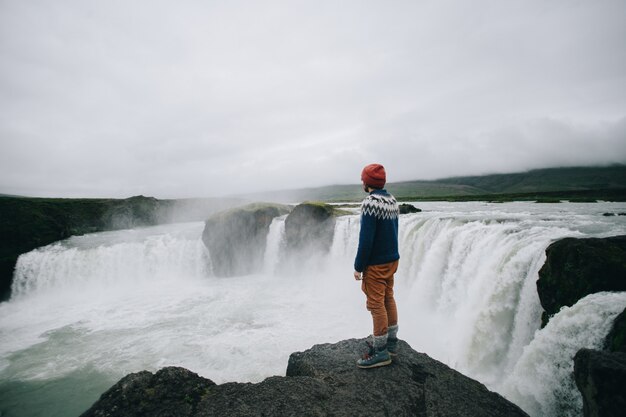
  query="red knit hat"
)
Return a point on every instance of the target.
[{"x": 374, "y": 175}]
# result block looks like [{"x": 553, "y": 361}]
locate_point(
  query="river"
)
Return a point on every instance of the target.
[{"x": 88, "y": 310}]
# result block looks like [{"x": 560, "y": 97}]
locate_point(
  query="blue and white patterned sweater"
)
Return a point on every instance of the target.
[{"x": 378, "y": 238}]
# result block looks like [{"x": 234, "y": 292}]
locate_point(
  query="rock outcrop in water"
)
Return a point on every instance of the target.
[
  {"x": 310, "y": 227},
  {"x": 601, "y": 378},
  {"x": 322, "y": 381},
  {"x": 575, "y": 268},
  {"x": 408, "y": 208},
  {"x": 616, "y": 339},
  {"x": 309, "y": 232},
  {"x": 601, "y": 375},
  {"x": 236, "y": 238}
]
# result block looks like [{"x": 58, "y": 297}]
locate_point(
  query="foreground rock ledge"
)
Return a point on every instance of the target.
[
  {"x": 322, "y": 381},
  {"x": 601, "y": 378}
]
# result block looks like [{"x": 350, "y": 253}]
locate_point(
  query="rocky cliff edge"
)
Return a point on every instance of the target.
[{"x": 322, "y": 381}]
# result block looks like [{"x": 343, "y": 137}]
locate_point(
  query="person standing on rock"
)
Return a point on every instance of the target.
[{"x": 376, "y": 263}]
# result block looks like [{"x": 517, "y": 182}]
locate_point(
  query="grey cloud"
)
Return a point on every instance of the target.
[{"x": 119, "y": 98}]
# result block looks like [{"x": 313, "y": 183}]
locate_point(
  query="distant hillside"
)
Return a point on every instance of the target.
[
  {"x": 578, "y": 182},
  {"x": 354, "y": 192},
  {"x": 542, "y": 180}
]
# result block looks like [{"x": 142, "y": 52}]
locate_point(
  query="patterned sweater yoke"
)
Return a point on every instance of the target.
[{"x": 381, "y": 206}]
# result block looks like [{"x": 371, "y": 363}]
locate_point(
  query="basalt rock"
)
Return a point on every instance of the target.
[
  {"x": 413, "y": 385},
  {"x": 236, "y": 238},
  {"x": 601, "y": 378},
  {"x": 616, "y": 339},
  {"x": 575, "y": 268},
  {"x": 322, "y": 381},
  {"x": 309, "y": 231},
  {"x": 171, "y": 391},
  {"x": 408, "y": 208}
]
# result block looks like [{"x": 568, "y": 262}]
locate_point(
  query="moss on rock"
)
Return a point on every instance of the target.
[{"x": 236, "y": 237}]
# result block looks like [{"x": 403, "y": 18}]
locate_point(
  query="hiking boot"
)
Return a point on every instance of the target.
[{"x": 374, "y": 358}]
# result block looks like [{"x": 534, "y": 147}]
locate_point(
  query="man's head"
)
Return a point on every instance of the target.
[{"x": 374, "y": 176}]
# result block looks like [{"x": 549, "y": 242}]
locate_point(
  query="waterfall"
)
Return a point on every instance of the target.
[
  {"x": 542, "y": 381},
  {"x": 274, "y": 245},
  {"x": 466, "y": 292},
  {"x": 476, "y": 277},
  {"x": 88, "y": 262}
]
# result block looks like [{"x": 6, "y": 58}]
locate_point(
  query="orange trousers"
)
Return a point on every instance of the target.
[{"x": 377, "y": 285}]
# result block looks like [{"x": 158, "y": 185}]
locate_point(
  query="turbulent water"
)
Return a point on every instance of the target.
[{"x": 88, "y": 310}]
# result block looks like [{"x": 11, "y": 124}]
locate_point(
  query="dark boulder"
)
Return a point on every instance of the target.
[
  {"x": 322, "y": 381},
  {"x": 575, "y": 268},
  {"x": 170, "y": 392},
  {"x": 601, "y": 378},
  {"x": 616, "y": 339},
  {"x": 414, "y": 385},
  {"x": 236, "y": 238},
  {"x": 408, "y": 208},
  {"x": 309, "y": 231}
]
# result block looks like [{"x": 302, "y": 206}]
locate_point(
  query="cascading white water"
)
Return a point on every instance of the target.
[
  {"x": 542, "y": 381},
  {"x": 118, "y": 302},
  {"x": 474, "y": 275},
  {"x": 471, "y": 274},
  {"x": 274, "y": 244},
  {"x": 80, "y": 263}
]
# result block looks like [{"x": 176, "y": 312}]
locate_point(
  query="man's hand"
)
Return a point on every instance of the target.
[{"x": 357, "y": 276}]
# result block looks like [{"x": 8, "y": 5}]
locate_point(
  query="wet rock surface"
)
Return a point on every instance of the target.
[
  {"x": 310, "y": 227},
  {"x": 408, "y": 208},
  {"x": 616, "y": 339},
  {"x": 601, "y": 378},
  {"x": 575, "y": 268},
  {"x": 309, "y": 232},
  {"x": 171, "y": 391}
]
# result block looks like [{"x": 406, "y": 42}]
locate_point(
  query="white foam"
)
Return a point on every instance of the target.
[
  {"x": 542, "y": 381},
  {"x": 78, "y": 264},
  {"x": 274, "y": 244}
]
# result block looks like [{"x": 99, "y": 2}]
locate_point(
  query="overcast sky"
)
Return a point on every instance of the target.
[{"x": 204, "y": 98}]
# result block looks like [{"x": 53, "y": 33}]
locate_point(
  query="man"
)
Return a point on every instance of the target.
[{"x": 376, "y": 263}]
